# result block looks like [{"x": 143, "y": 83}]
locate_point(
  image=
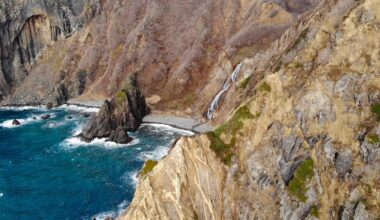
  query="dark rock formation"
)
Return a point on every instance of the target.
[
  {"x": 45, "y": 117},
  {"x": 16, "y": 122},
  {"x": 121, "y": 114}
]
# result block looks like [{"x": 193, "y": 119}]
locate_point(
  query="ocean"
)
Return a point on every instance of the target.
[{"x": 48, "y": 173}]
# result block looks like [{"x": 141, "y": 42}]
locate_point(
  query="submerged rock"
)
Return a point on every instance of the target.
[
  {"x": 45, "y": 117},
  {"x": 121, "y": 114}
]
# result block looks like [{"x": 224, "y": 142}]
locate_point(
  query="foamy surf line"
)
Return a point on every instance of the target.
[
  {"x": 72, "y": 107},
  {"x": 31, "y": 119},
  {"x": 22, "y": 108},
  {"x": 112, "y": 214},
  {"x": 170, "y": 128},
  {"x": 75, "y": 142}
]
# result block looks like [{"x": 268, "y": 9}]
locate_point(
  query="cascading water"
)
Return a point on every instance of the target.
[{"x": 216, "y": 101}]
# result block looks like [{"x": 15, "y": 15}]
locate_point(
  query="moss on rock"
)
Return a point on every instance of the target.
[{"x": 298, "y": 185}]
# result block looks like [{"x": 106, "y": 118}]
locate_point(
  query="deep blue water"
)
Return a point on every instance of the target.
[{"x": 46, "y": 173}]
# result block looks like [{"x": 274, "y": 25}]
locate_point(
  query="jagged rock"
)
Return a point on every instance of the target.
[
  {"x": 343, "y": 163},
  {"x": 121, "y": 114},
  {"x": 290, "y": 146},
  {"x": 287, "y": 169},
  {"x": 45, "y": 117},
  {"x": 120, "y": 136},
  {"x": 301, "y": 212},
  {"x": 370, "y": 151},
  {"x": 16, "y": 122}
]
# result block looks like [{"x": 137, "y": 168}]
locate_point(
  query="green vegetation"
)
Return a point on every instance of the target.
[
  {"x": 314, "y": 211},
  {"x": 373, "y": 139},
  {"x": 148, "y": 167},
  {"x": 298, "y": 185},
  {"x": 376, "y": 109},
  {"x": 121, "y": 97},
  {"x": 223, "y": 150},
  {"x": 236, "y": 122},
  {"x": 245, "y": 82},
  {"x": 265, "y": 87}
]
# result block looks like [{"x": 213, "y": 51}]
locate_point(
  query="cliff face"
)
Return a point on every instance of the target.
[
  {"x": 303, "y": 145},
  {"x": 27, "y": 27},
  {"x": 177, "y": 47}
]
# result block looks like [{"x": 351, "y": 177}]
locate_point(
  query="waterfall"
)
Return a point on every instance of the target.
[{"x": 216, "y": 101}]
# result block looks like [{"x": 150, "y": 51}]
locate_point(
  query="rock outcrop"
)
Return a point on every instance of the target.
[{"x": 121, "y": 114}]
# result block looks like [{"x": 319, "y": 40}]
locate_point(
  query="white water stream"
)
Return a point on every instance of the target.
[{"x": 217, "y": 99}]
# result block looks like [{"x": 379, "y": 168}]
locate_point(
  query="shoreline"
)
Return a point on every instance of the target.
[{"x": 189, "y": 124}]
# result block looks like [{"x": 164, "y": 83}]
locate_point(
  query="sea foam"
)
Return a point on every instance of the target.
[
  {"x": 31, "y": 119},
  {"x": 169, "y": 128},
  {"x": 78, "y": 108}
]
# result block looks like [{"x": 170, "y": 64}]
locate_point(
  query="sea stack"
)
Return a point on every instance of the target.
[{"x": 122, "y": 113}]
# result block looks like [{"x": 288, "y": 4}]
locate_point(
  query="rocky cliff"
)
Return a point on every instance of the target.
[{"x": 303, "y": 140}]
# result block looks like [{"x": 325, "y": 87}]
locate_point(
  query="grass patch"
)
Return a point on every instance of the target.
[
  {"x": 236, "y": 122},
  {"x": 314, "y": 211},
  {"x": 376, "y": 109},
  {"x": 265, "y": 87},
  {"x": 148, "y": 167},
  {"x": 223, "y": 151},
  {"x": 245, "y": 82},
  {"x": 297, "y": 185},
  {"x": 373, "y": 139}
]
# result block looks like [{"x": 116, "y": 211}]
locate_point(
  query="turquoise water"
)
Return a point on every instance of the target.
[{"x": 47, "y": 173}]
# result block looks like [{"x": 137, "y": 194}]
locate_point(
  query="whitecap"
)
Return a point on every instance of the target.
[
  {"x": 33, "y": 118},
  {"x": 1, "y": 194},
  {"x": 170, "y": 129},
  {"x": 78, "y": 108},
  {"x": 75, "y": 142},
  {"x": 105, "y": 215},
  {"x": 131, "y": 177},
  {"x": 22, "y": 108},
  {"x": 113, "y": 214},
  {"x": 158, "y": 153}
]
